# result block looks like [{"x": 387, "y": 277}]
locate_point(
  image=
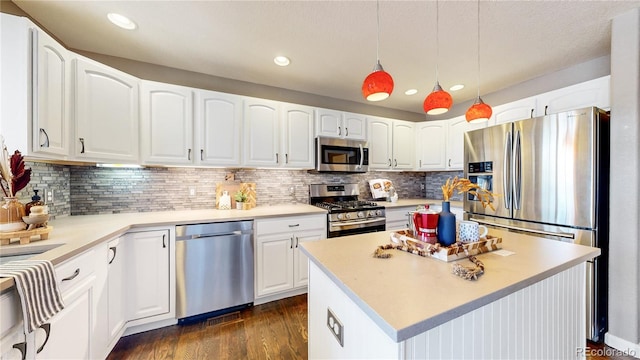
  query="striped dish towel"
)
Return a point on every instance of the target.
[{"x": 39, "y": 294}]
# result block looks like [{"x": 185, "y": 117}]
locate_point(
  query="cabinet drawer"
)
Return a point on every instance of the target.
[
  {"x": 398, "y": 214},
  {"x": 73, "y": 271},
  {"x": 274, "y": 226}
]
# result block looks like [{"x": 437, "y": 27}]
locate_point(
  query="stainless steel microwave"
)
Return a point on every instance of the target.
[{"x": 341, "y": 155}]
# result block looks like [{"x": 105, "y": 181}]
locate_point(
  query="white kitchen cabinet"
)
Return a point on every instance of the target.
[
  {"x": 398, "y": 218},
  {"x": 431, "y": 144},
  {"x": 166, "y": 124},
  {"x": 594, "y": 92},
  {"x": 455, "y": 140},
  {"x": 52, "y": 85},
  {"x": 514, "y": 111},
  {"x": 391, "y": 144},
  {"x": 147, "y": 267},
  {"x": 280, "y": 266},
  {"x": 297, "y": 141},
  {"x": 117, "y": 278},
  {"x": 13, "y": 346},
  {"x": 13, "y": 342},
  {"x": 338, "y": 124},
  {"x": 219, "y": 125},
  {"x": 106, "y": 116}
]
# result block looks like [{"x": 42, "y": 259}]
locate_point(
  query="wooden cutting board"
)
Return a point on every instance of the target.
[{"x": 232, "y": 187}]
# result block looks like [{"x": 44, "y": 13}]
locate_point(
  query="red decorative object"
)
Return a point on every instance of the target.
[
  {"x": 438, "y": 102},
  {"x": 479, "y": 111},
  {"x": 378, "y": 85}
]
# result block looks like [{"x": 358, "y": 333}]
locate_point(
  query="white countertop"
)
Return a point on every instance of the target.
[
  {"x": 408, "y": 294},
  {"x": 79, "y": 233}
]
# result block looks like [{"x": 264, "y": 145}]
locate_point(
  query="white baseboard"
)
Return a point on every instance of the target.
[{"x": 623, "y": 346}]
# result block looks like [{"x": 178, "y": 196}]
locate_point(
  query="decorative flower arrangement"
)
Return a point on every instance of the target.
[
  {"x": 13, "y": 174},
  {"x": 462, "y": 185},
  {"x": 239, "y": 196}
]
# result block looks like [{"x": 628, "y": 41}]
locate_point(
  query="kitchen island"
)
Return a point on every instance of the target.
[{"x": 529, "y": 303}]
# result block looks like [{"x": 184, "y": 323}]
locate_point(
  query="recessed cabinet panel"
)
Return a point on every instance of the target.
[
  {"x": 431, "y": 140},
  {"x": 403, "y": 145},
  {"x": 106, "y": 113},
  {"x": 355, "y": 126},
  {"x": 380, "y": 143},
  {"x": 589, "y": 93},
  {"x": 219, "y": 119},
  {"x": 52, "y": 86},
  {"x": 455, "y": 144},
  {"x": 514, "y": 111},
  {"x": 261, "y": 141},
  {"x": 297, "y": 136}
]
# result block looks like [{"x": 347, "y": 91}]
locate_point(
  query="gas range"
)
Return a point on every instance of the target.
[{"x": 347, "y": 215}]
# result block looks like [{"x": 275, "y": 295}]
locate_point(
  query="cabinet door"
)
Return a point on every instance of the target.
[
  {"x": 261, "y": 137},
  {"x": 431, "y": 140},
  {"x": 147, "y": 272},
  {"x": 219, "y": 121},
  {"x": 514, "y": 111},
  {"x": 274, "y": 263},
  {"x": 106, "y": 113},
  {"x": 51, "y": 88},
  {"x": 329, "y": 123},
  {"x": 297, "y": 136},
  {"x": 355, "y": 126},
  {"x": 116, "y": 289},
  {"x": 13, "y": 344},
  {"x": 300, "y": 260},
  {"x": 380, "y": 143},
  {"x": 589, "y": 93},
  {"x": 71, "y": 329},
  {"x": 403, "y": 145},
  {"x": 455, "y": 141},
  {"x": 166, "y": 123}
]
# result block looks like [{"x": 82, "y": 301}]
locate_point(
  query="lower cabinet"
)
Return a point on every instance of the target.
[
  {"x": 398, "y": 218},
  {"x": 280, "y": 266}
]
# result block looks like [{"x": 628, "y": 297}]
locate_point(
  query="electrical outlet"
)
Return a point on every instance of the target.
[
  {"x": 421, "y": 186},
  {"x": 47, "y": 195},
  {"x": 335, "y": 326},
  {"x": 292, "y": 190},
  {"x": 192, "y": 191}
]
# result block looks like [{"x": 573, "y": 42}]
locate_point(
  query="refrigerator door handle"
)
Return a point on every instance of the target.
[
  {"x": 516, "y": 167},
  {"x": 506, "y": 170},
  {"x": 526, "y": 230}
]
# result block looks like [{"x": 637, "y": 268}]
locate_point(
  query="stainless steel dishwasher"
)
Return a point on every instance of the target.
[{"x": 214, "y": 268}]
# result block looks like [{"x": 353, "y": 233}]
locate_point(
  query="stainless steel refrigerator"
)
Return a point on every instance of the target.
[{"x": 552, "y": 177}]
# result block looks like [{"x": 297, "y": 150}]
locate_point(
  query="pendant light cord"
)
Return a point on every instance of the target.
[
  {"x": 378, "y": 36},
  {"x": 437, "y": 42},
  {"x": 478, "y": 44}
]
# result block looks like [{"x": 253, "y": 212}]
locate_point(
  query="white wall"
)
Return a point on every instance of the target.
[{"x": 624, "y": 265}]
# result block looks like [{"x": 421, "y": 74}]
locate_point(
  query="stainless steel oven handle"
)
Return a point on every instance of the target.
[
  {"x": 517, "y": 228},
  {"x": 368, "y": 221}
]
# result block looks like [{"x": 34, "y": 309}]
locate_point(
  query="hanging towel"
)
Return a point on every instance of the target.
[{"x": 38, "y": 289}]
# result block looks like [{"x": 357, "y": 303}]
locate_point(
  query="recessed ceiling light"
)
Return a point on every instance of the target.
[
  {"x": 281, "y": 60},
  {"x": 121, "y": 21},
  {"x": 411, "y": 92},
  {"x": 456, "y": 87}
]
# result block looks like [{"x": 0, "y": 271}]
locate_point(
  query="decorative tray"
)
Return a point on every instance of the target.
[
  {"x": 407, "y": 242},
  {"x": 25, "y": 236}
]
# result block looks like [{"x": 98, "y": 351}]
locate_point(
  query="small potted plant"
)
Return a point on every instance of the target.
[{"x": 240, "y": 198}]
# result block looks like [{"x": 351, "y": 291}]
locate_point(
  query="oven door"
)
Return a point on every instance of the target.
[
  {"x": 335, "y": 229},
  {"x": 341, "y": 155}
]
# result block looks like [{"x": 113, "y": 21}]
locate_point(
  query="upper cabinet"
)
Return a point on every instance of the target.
[
  {"x": 106, "y": 113},
  {"x": 333, "y": 123},
  {"x": 455, "y": 141},
  {"x": 297, "y": 136},
  {"x": 431, "y": 145},
  {"x": 589, "y": 93},
  {"x": 219, "y": 125},
  {"x": 166, "y": 123},
  {"x": 51, "y": 95},
  {"x": 391, "y": 144},
  {"x": 514, "y": 111}
]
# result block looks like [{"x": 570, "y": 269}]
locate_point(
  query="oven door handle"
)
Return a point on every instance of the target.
[{"x": 360, "y": 222}]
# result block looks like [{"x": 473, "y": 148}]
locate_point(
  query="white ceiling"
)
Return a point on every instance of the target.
[{"x": 332, "y": 44}]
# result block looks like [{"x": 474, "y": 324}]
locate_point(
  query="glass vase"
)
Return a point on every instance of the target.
[
  {"x": 11, "y": 213},
  {"x": 446, "y": 225}
]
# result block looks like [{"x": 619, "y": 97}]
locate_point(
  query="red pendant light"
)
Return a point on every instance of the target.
[
  {"x": 439, "y": 101},
  {"x": 479, "y": 111},
  {"x": 379, "y": 84}
]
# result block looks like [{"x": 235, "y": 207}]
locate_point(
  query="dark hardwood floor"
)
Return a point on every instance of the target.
[{"x": 276, "y": 330}]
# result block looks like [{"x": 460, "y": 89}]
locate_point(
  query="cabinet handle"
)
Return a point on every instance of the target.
[
  {"x": 46, "y": 136},
  {"x": 82, "y": 142},
  {"x": 189, "y": 155},
  {"x": 291, "y": 246},
  {"x": 531, "y": 114},
  {"x": 73, "y": 276},
  {"x": 286, "y": 158},
  {"x": 420, "y": 162},
  {"x": 297, "y": 242},
  {"x": 395, "y": 162},
  {"x": 113, "y": 248},
  {"x": 277, "y": 159},
  {"x": 339, "y": 130},
  {"x": 546, "y": 107},
  {"x": 389, "y": 162},
  {"x": 294, "y": 225},
  {"x": 164, "y": 244},
  {"x": 22, "y": 347},
  {"x": 47, "y": 330},
  {"x": 201, "y": 154},
  {"x": 346, "y": 131},
  {"x": 449, "y": 162}
]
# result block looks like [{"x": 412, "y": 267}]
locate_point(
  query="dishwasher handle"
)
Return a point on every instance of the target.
[{"x": 199, "y": 236}]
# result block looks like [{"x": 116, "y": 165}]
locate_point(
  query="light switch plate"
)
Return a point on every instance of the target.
[{"x": 335, "y": 326}]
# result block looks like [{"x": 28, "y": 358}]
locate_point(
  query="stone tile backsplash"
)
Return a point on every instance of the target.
[{"x": 84, "y": 190}]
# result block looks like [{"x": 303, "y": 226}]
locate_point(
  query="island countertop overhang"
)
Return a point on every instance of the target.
[{"x": 408, "y": 294}]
